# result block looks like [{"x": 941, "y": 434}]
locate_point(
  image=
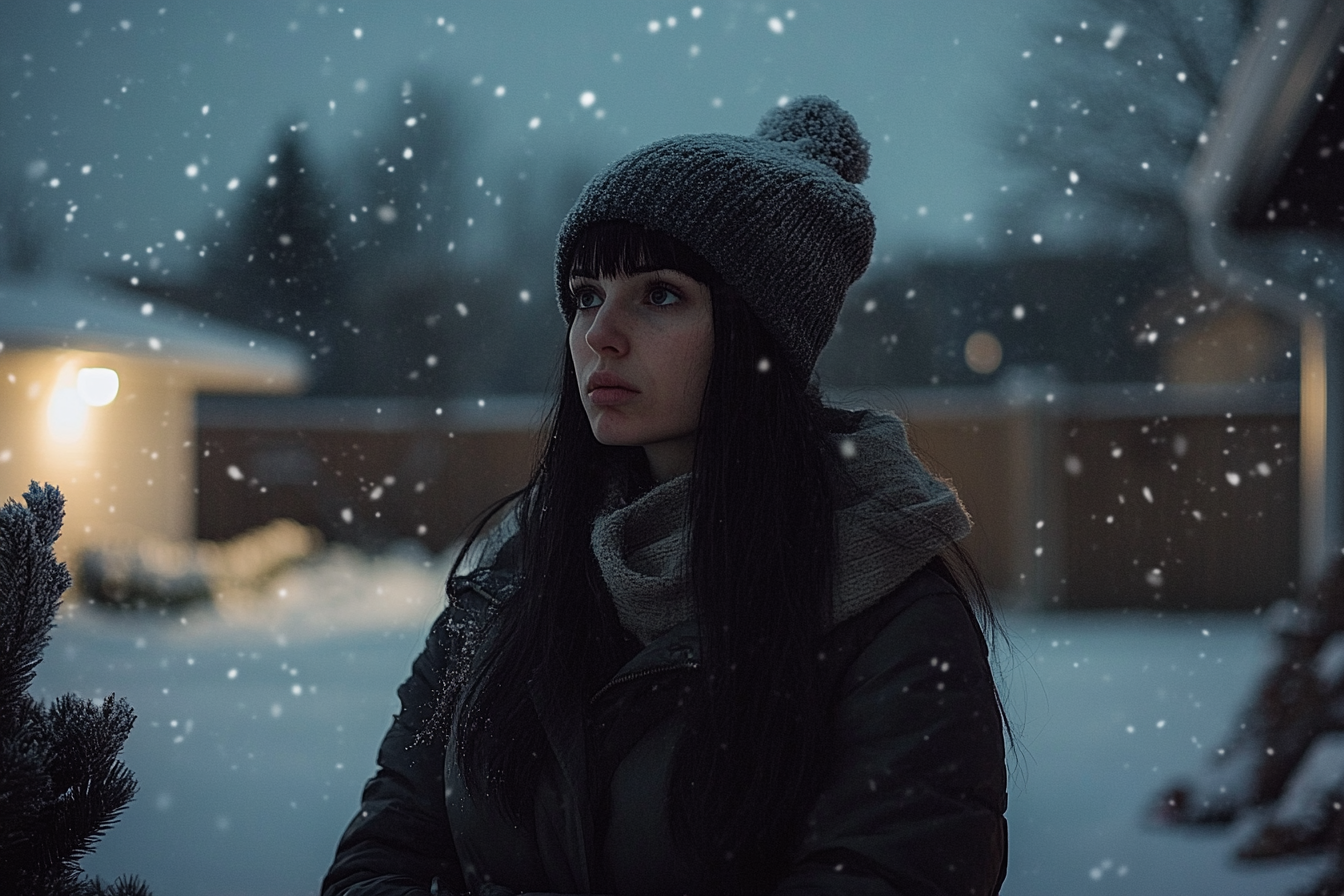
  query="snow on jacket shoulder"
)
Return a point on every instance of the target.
[{"x": 913, "y": 802}]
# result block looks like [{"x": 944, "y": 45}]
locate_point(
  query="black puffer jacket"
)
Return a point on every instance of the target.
[{"x": 913, "y": 802}]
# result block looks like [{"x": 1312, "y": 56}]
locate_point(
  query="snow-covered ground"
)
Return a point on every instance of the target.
[{"x": 258, "y": 723}]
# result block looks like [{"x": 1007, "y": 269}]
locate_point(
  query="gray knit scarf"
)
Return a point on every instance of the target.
[{"x": 894, "y": 516}]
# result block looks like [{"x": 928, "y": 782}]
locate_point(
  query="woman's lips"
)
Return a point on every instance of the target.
[
  {"x": 609, "y": 397},
  {"x": 607, "y": 389}
]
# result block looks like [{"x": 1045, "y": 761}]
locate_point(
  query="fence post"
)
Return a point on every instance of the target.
[{"x": 1322, "y": 449}]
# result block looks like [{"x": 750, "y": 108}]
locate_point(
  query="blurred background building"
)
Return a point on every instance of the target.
[
  {"x": 99, "y": 395},
  {"x": 379, "y": 188}
]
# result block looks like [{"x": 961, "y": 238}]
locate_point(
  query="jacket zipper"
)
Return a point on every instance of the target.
[{"x": 631, "y": 676}]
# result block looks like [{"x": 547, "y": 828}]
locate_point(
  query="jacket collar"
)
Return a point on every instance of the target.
[{"x": 678, "y": 648}]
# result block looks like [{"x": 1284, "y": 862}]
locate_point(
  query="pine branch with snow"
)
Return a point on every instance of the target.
[{"x": 61, "y": 783}]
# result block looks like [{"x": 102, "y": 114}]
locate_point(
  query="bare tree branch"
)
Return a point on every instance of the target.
[{"x": 1103, "y": 132}]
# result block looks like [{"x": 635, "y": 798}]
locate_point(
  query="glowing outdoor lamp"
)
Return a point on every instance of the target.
[
  {"x": 97, "y": 386},
  {"x": 68, "y": 409}
]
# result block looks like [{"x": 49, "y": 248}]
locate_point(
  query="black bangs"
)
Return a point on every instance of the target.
[{"x": 613, "y": 248}]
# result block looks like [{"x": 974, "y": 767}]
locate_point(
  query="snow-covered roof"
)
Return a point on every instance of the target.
[
  {"x": 1283, "y": 92},
  {"x": 1271, "y": 96},
  {"x": 89, "y": 316}
]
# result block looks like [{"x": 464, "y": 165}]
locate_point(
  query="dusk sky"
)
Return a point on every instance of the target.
[{"x": 127, "y": 121}]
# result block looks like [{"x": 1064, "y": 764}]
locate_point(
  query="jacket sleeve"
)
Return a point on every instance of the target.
[
  {"x": 399, "y": 841},
  {"x": 914, "y": 800}
]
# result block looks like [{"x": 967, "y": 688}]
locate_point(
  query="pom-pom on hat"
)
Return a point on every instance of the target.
[{"x": 777, "y": 214}]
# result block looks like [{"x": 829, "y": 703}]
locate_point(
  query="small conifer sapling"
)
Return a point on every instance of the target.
[{"x": 61, "y": 783}]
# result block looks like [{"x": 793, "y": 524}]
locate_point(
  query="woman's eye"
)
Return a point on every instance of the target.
[
  {"x": 661, "y": 295},
  {"x": 587, "y": 298}
]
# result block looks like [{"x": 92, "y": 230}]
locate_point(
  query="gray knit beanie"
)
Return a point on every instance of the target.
[{"x": 778, "y": 214}]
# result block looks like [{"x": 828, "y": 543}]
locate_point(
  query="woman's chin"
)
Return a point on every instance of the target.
[{"x": 617, "y": 440}]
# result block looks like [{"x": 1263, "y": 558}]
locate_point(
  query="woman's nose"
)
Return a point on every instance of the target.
[{"x": 607, "y": 332}]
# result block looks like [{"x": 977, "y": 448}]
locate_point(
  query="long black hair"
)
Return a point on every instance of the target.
[{"x": 761, "y": 564}]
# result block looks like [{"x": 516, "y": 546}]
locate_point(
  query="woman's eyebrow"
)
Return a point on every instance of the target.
[
  {"x": 666, "y": 270},
  {"x": 635, "y": 272}
]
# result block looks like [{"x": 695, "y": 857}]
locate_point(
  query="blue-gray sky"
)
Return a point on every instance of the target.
[{"x": 162, "y": 103}]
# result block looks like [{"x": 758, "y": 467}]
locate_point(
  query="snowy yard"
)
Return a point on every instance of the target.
[{"x": 258, "y": 724}]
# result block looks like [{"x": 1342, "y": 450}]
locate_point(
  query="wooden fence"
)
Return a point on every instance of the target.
[{"x": 1082, "y": 496}]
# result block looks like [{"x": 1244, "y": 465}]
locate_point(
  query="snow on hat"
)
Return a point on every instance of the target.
[{"x": 777, "y": 214}]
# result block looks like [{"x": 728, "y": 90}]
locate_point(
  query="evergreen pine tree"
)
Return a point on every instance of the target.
[
  {"x": 276, "y": 265},
  {"x": 61, "y": 784},
  {"x": 411, "y": 197}
]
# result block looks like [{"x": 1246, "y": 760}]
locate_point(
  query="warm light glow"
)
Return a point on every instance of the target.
[
  {"x": 1317, "y": 543},
  {"x": 66, "y": 414},
  {"x": 984, "y": 352},
  {"x": 97, "y": 386}
]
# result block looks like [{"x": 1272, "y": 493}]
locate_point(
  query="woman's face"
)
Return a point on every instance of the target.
[{"x": 641, "y": 346}]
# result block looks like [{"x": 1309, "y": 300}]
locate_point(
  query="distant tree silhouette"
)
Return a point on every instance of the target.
[
  {"x": 1100, "y": 125},
  {"x": 61, "y": 784},
  {"x": 538, "y": 197},
  {"x": 453, "y": 253},
  {"x": 410, "y": 191},
  {"x": 407, "y": 192},
  {"x": 22, "y": 238},
  {"x": 277, "y": 266},
  {"x": 378, "y": 277},
  {"x": 1103, "y": 130}
]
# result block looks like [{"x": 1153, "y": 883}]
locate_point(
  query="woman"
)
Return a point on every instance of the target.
[{"x": 716, "y": 645}]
